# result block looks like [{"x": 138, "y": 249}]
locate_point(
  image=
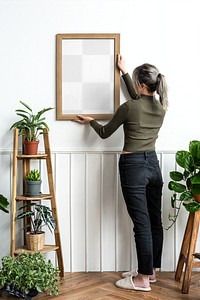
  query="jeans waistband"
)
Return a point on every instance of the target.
[{"x": 141, "y": 154}]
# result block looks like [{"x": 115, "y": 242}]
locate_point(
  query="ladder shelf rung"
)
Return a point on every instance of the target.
[
  {"x": 36, "y": 198},
  {"x": 37, "y": 156},
  {"x": 47, "y": 248}
]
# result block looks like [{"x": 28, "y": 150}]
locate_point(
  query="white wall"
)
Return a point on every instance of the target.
[{"x": 162, "y": 32}]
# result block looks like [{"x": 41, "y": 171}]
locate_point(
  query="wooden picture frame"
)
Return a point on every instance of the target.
[{"x": 87, "y": 78}]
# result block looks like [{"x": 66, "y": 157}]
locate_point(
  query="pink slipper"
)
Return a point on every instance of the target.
[
  {"x": 134, "y": 273},
  {"x": 127, "y": 283}
]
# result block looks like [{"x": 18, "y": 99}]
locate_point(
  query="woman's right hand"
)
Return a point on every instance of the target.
[
  {"x": 83, "y": 119},
  {"x": 121, "y": 64}
]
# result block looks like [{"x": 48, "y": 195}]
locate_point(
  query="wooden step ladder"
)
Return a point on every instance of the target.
[{"x": 26, "y": 164}]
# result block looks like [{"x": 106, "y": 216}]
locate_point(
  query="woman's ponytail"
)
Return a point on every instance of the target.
[{"x": 162, "y": 90}]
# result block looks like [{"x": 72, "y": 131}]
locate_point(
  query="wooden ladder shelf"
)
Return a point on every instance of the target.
[
  {"x": 26, "y": 163},
  {"x": 186, "y": 257}
]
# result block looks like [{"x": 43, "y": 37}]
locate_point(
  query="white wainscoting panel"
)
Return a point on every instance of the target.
[{"x": 96, "y": 231}]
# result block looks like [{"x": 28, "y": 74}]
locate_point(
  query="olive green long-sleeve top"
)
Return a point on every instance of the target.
[{"x": 141, "y": 117}]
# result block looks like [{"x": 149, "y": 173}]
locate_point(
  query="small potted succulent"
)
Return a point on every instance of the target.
[
  {"x": 28, "y": 274},
  {"x": 30, "y": 126},
  {"x": 185, "y": 184},
  {"x": 33, "y": 183},
  {"x": 38, "y": 216}
]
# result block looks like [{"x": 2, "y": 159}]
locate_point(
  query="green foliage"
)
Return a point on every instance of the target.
[
  {"x": 31, "y": 125},
  {"x": 186, "y": 184},
  {"x": 29, "y": 270},
  {"x": 3, "y": 203},
  {"x": 39, "y": 215},
  {"x": 33, "y": 175}
]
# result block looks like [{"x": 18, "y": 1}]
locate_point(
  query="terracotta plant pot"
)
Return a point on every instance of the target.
[
  {"x": 197, "y": 197},
  {"x": 31, "y": 148}
]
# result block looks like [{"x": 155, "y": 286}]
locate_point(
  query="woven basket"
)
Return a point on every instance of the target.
[{"x": 35, "y": 242}]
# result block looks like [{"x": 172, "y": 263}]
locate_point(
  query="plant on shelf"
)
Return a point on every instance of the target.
[
  {"x": 33, "y": 183},
  {"x": 33, "y": 175},
  {"x": 27, "y": 274},
  {"x": 186, "y": 184},
  {"x": 30, "y": 125},
  {"x": 37, "y": 216},
  {"x": 3, "y": 204}
]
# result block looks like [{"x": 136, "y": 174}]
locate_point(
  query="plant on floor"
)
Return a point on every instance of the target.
[
  {"x": 3, "y": 204},
  {"x": 30, "y": 125},
  {"x": 27, "y": 271},
  {"x": 186, "y": 184}
]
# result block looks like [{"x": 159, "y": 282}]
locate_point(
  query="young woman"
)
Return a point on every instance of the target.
[{"x": 140, "y": 175}]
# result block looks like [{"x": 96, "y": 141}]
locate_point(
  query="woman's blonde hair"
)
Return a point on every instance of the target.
[{"x": 154, "y": 80}]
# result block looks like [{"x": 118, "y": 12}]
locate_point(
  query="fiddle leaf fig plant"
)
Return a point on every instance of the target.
[
  {"x": 185, "y": 184},
  {"x": 30, "y": 125}
]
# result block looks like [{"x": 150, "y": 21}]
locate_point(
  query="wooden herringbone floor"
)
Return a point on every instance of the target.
[{"x": 101, "y": 286}]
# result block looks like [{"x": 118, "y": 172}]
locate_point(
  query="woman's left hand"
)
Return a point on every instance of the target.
[{"x": 83, "y": 119}]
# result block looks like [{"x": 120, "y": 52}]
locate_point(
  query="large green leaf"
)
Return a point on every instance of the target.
[
  {"x": 195, "y": 179},
  {"x": 176, "y": 176},
  {"x": 43, "y": 111},
  {"x": 25, "y": 214},
  {"x": 26, "y": 105},
  {"x": 177, "y": 187},
  {"x": 195, "y": 189},
  {"x": 185, "y": 160},
  {"x": 192, "y": 207},
  {"x": 185, "y": 196},
  {"x": 194, "y": 148}
]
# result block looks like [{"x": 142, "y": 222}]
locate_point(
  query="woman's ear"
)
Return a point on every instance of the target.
[{"x": 144, "y": 87}]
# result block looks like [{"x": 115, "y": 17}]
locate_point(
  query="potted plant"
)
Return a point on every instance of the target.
[
  {"x": 27, "y": 274},
  {"x": 30, "y": 125},
  {"x": 33, "y": 183},
  {"x": 3, "y": 203},
  {"x": 37, "y": 216},
  {"x": 186, "y": 184}
]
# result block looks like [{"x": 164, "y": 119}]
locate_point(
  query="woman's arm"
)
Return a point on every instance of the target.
[
  {"x": 104, "y": 131},
  {"x": 126, "y": 77},
  {"x": 129, "y": 85}
]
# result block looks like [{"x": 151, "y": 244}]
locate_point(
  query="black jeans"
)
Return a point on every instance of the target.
[{"x": 142, "y": 183}]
